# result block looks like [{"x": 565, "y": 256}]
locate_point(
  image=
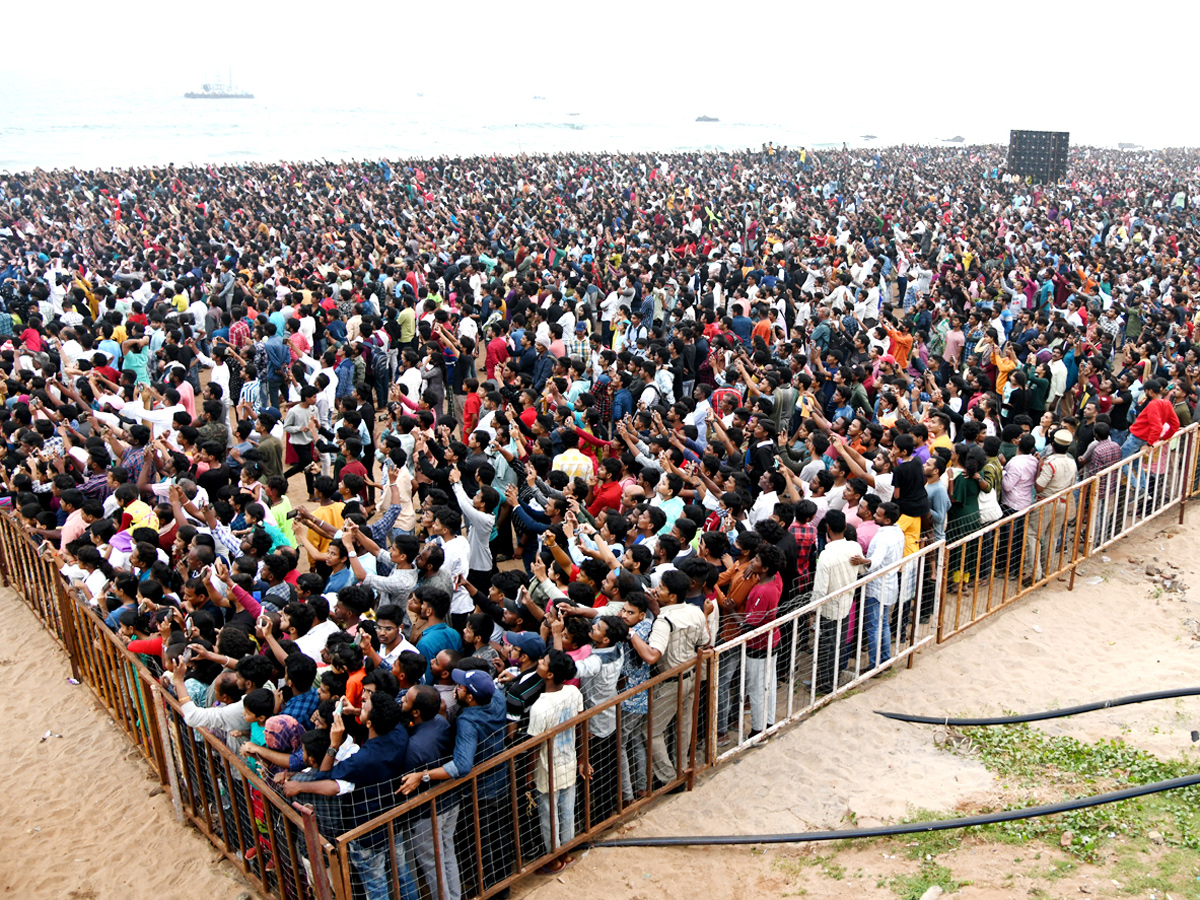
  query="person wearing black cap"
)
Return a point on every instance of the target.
[
  {"x": 524, "y": 685},
  {"x": 480, "y": 730}
]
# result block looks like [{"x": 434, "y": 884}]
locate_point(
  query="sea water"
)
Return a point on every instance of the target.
[{"x": 97, "y": 125}]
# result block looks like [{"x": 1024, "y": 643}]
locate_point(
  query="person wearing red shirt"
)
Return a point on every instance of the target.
[
  {"x": 471, "y": 406},
  {"x": 353, "y": 466},
  {"x": 497, "y": 351},
  {"x": 105, "y": 370},
  {"x": 762, "y": 606},
  {"x": 1156, "y": 422},
  {"x": 607, "y": 494},
  {"x": 31, "y": 338}
]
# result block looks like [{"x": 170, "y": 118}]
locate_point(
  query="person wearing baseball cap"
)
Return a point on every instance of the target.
[
  {"x": 1058, "y": 472},
  {"x": 477, "y": 683},
  {"x": 480, "y": 729},
  {"x": 528, "y": 643},
  {"x": 523, "y": 649}
]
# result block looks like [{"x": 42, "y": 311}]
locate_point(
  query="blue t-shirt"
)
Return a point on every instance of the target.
[
  {"x": 339, "y": 580},
  {"x": 434, "y": 640},
  {"x": 113, "y": 350}
]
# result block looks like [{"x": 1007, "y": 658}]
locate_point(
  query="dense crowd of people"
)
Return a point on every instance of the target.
[{"x": 561, "y": 423}]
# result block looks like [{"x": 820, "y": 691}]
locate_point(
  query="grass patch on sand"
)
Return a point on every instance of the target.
[
  {"x": 1024, "y": 757},
  {"x": 913, "y": 887}
]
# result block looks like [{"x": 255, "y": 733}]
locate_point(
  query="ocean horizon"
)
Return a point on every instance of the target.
[{"x": 84, "y": 127}]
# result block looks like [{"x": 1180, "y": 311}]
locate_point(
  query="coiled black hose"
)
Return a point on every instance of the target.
[
  {"x": 1048, "y": 714},
  {"x": 804, "y": 837}
]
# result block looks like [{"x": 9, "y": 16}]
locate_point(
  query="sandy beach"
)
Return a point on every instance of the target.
[
  {"x": 843, "y": 765},
  {"x": 82, "y": 816}
]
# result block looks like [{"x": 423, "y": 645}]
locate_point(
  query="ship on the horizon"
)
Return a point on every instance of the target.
[{"x": 218, "y": 91}]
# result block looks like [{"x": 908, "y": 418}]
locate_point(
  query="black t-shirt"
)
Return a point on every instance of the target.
[
  {"x": 909, "y": 483},
  {"x": 214, "y": 479},
  {"x": 1118, "y": 415}
]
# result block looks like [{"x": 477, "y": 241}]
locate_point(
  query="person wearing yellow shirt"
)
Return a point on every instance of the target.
[
  {"x": 323, "y": 522},
  {"x": 938, "y": 424}
]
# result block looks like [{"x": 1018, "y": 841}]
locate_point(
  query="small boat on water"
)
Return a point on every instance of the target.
[
  {"x": 218, "y": 91},
  {"x": 1124, "y": 146},
  {"x": 957, "y": 139},
  {"x": 706, "y": 119}
]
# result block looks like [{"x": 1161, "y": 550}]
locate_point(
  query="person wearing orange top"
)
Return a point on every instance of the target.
[
  {"x": 1004, "y": 366},
  {"x": 762, "y": 329},
  {"x": 901, "y": 343},
  {"x": 735, "y": 582}
]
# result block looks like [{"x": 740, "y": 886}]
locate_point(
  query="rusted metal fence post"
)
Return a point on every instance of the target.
[
  {"x": 169, "y": 775},
  {"x": 312, "y": 840}
]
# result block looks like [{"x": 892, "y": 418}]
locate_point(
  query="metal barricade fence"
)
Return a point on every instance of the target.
[
  {"x": 1140, "y": 488},
  {"x": 275, "y": 844},
  {"x": 999, "y": 564},
  {"x": 36, "y": 579},
  {"x": 120, "y": 680},
  {"x": 528, "y": 804},
  {"x": 797, "y": 663},
  {"x": 1002, "y": 562},
  {"x": 635, "y": 747}
]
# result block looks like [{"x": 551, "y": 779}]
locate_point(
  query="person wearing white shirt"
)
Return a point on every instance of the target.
[
  {"x": 468, "y": 327},
  {"x": 199, "y": 311},
  {"x": 886, "y": 549},
  {"x": 700, "y": 416},
  {"x": 160, "y": 419},
  {"x": 410, "y": 377},
  {"x": 1058, "y": 378},
  {"x": 771, "y": 484},
  {"x": 70, "y": 351},
  {"x": 457, "y": 563},
  {"x": 312, "y": 642},
  {"x": 835, "y": 572}
]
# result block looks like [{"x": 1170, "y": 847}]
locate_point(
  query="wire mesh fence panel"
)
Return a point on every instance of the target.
[
  {"x": 783, "y": 670},
  {"x": 536, "y": 795},
  {"x": 244, "y": 814},
  {"x": 525, "y": 806},
  {"x": 1144, "y": 486},
  {"x": 1002, "y": 562},
  {"x": 119, "y": 678}
]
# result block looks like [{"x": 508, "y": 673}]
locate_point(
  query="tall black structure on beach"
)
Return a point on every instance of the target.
[{"x": 1039, "y": 154}]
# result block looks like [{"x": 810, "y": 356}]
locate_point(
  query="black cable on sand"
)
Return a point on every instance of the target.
[
  {"x": 803, "y": 837},
  {"x": 1047, "y": 714}
]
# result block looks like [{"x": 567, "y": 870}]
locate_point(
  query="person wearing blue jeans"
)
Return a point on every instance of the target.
[
  {"x": 876, "y": 623},
  {"x": 278, "y": 359},
  {"x": 886, "y": 549},
  {"x": 371, "y": 864},
  {"x": 1131, "y": 446}
]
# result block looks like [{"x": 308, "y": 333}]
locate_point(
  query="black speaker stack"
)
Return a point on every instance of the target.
[{"x": 1040, "y": 155}]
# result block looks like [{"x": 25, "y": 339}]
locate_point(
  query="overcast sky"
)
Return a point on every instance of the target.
[{"x": 884, "y": 67}]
